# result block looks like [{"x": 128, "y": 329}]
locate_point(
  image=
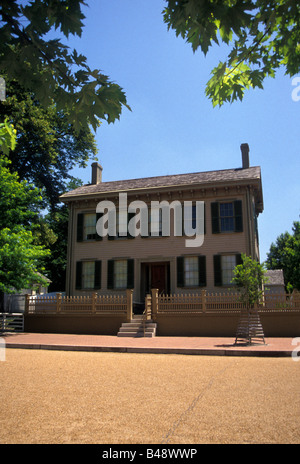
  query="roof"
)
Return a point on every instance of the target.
[
  {"x": 193, "y": 179},
  {"x": 275, "y": 277}
]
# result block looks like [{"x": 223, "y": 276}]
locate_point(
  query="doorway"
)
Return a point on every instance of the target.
[{"x": 155, "y": 275}]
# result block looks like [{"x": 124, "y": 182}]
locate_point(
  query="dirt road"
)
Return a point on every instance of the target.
[{"x": 81, "y": 397}]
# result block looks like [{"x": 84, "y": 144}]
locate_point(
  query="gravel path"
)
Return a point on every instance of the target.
[{"x": 82, "y": 397}]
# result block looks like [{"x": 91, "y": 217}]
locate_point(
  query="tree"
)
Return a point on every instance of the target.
[
  {"x": 285, "y": 254},
  {"x": 47, "y": 146},
  {"x": 55, "y": 264},
  {"x": 249, "y": 278},
  {"x": 7, "y": 137},
  {"x": 263, "y": 35},
  {"x": 47, "y": 67},
  {"x": 20, "y": 258}
]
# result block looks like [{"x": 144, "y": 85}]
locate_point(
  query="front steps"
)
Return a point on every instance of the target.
[{"x": 135, "y": 328}]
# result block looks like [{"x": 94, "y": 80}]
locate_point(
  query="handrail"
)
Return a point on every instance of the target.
[{"x": 146, "y": 312}]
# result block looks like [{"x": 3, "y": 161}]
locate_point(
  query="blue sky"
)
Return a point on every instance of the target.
[{"x": 173, "y": 128}]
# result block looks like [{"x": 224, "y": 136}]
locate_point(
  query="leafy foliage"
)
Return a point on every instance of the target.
[
  {"x": 8, "y": 136},
  {"x": 20, "y": 258},
  {"x": 56, "y": 262},
  {"x": 263, "y": 35},
  {"x": 48, "y": 68},
  {"x": 47, "y": 145},
  {"x": 285, "y": 254},
  {"x": 249, "y": 278}
]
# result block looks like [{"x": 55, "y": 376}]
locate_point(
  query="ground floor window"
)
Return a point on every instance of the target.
[
  {"x": 120, "y": 274},
  {"x": 223, "y": 268},
  {"x": 191, "y": 271},
  {"x": 88, "y": 275}
]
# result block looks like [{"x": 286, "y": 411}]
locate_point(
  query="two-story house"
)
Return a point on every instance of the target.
[{"x": 112, "y": 262}]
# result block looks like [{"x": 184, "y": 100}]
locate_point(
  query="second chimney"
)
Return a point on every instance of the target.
[
  {"x": 245, "y": 155},
  {"x": 96, "y": 173}
]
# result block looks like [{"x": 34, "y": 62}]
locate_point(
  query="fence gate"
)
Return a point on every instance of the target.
[{"x": 11, "y": 322}]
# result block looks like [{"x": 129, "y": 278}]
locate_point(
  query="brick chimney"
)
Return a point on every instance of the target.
[
  {"x": 245, "y": 155},
  {"x": 96, "y": 173}
]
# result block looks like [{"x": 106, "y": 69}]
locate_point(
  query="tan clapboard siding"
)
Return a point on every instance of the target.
[{"x": 160, "y": 249}]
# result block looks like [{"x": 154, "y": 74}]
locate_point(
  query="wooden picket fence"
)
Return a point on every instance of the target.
[
  {"x": 222, "y": 303},
  {"x": 157, "y": 304},
  {"x": 93, "y": 304}
]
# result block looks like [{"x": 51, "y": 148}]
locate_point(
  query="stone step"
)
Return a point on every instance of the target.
[
  {"x": 135, "y": 328},
  {"x": 136, "y": 334},
  {"x": 138, "y": 324}
]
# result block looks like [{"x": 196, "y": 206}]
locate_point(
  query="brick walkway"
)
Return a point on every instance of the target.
[{"x": 274, "y": 347}]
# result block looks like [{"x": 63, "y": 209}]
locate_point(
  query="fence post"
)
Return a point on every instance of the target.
[
  {"x": 154, "y": 303},
  {"x": 58, "y": 302},
  {"x": 129, "y": 295},
  {"x": 203, "y": 300},
  {"x": 94, "y": 296},
  {"x": 26, "y": 304}
]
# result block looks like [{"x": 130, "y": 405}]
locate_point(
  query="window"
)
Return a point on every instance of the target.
[
  {"x": 226, "y": 217},
  {"x": 228, "y": 263},
  {"x": 86, "y": 227},
  {"x": 88, "y": 275},
  {"x": 120, "y": 274},
  {"x": 223, "y": 268},
  {"x": 155, "y": 222},
  {"x": 191, "y": 271},
  {"x": 122, "y": 221},
  {"x": 89, "y": 226}
]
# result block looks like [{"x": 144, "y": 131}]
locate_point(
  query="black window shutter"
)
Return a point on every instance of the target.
[
  {"x": 97, "y": 275},
  {"x": 78, "y": 283},
  {"x": 202, "y": 271},
  {"x": 204, "y": 218},
  {"x": 98, "y": 216},
  {"x": 217, "y": 270},
  {"x": 110, "y": 274},
  {"x": 180, "y": 271},
  {"x": 238, "y": 213},
  {"x": 238, "y": 259},
  {"x": 130, "y": 273},
  {"x": 80, "y": 217},
  {"x": 215, "y": 218}
]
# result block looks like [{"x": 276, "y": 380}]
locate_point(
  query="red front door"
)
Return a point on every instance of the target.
[{"x": 158, "y": 277}]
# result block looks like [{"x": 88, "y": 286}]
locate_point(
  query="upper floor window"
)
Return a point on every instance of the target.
[
  {"x": 86, "y": 227},
  {"x": 227, "y": 217}
]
